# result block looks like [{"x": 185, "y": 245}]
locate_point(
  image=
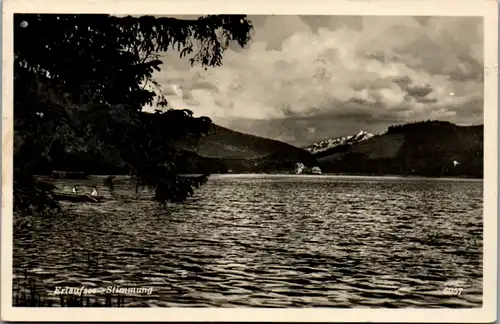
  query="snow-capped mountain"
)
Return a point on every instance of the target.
[{"x": 331, "y": 143}]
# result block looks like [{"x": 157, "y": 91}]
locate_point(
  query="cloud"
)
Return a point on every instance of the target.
[
  {"x": 370, "y": 66},
  {"x": 420, "y": 93}
]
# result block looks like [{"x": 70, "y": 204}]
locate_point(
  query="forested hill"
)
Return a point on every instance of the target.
[
  {"x": 432, "y": 148},
  {"x": 224, "y": 150},
  {"x": 221, "y": 142}
]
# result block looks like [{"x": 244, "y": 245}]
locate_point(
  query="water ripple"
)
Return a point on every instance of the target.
[{"x": 271, "y": 242}]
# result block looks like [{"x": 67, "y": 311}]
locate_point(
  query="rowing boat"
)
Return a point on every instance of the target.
[{"x": 77, "y": 197}]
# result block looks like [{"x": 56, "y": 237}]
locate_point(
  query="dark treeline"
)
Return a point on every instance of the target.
[
  {"x": 420, "y": 126},
  {"x": 80, "y": 83}
]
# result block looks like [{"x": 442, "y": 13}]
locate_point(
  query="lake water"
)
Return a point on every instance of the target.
[{"x": 271, "y": 241}]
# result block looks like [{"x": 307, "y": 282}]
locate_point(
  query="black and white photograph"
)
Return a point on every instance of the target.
[{"x": 255, "y": 161}]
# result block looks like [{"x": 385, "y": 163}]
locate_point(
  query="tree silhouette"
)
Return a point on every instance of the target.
[{"x": 81, "y": 81}]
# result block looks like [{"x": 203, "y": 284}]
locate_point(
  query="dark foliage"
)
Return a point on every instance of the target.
[
  {"x": 80, "y": 82},
  {"x": 429, "y": 125}
]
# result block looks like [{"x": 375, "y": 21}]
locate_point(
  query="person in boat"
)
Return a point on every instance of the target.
[
  {"x": 76, "y": 188},
  {"x": 108, "y": 182},
  {"x": 94, "y": 192}
]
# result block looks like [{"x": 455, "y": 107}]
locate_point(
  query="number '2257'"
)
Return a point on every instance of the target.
[{"x": 452, "y": 291}]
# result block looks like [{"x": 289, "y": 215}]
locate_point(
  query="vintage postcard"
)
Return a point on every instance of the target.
[{"x": 249, "y": 160}]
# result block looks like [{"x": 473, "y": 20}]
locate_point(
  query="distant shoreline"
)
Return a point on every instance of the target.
[
  {"x": 340, "y": 176},
  {"x": 291, "y": 175}
]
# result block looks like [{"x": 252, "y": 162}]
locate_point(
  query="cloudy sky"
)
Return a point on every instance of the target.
[{"x": 307, "y": 78}]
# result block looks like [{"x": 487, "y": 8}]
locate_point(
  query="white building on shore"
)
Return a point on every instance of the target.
[
  {"x": 299, "y": 167},
  {"x": 316, "y": 170}
]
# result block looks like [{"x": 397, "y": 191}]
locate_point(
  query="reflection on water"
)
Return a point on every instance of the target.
[{"x": 271, "y": 242}]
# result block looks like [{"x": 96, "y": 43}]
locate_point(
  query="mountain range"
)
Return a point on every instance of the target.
[
  {"x": 431, "y": 148},
  {"x": 331, "y": 143}
]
